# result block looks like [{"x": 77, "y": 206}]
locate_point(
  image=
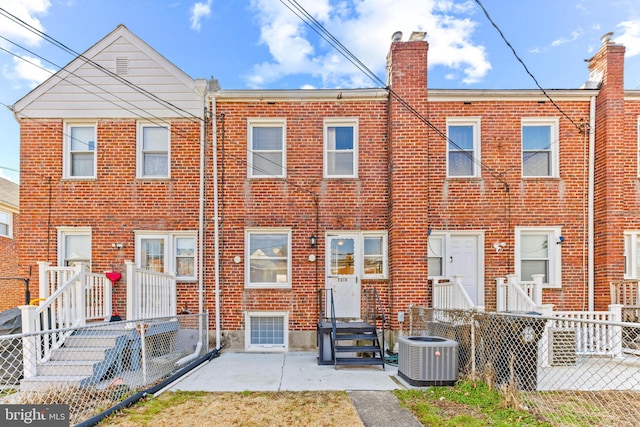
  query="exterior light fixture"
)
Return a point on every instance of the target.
[
  {"x": 312, "y": 241},
  {"x": 560, "y": 240}
]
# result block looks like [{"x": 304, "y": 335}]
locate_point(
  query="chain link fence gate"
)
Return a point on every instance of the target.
[
  {"x": 99, "y": 365},
  {"x": 567, "y": 371}
]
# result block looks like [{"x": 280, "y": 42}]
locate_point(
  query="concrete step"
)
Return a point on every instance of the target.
[
  {"x": 51, "y": 382},
  {"x": 78, "y": 353},
  {"x": 67, "y": 367}
]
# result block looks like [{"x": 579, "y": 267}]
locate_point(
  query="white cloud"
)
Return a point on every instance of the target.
[
  {"x": 27, "y": 71},
  {"x": 198, "y": 12},
  {"x": 630, "y": 37},
  {"x": 575, "y": 35},
  {"x": 365, "y": 28},
  {"x": 26, "y": 11}
]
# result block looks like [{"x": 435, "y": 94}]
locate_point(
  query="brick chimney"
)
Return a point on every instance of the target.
[
  {"x": 615, "y": 169},
  {"x": 408, "y": 171}
]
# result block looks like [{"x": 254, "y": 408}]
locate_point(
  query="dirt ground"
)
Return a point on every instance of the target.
[{"x": 243, "y": 409}]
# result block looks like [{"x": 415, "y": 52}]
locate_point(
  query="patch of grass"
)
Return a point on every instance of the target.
[{"x": 465, "y": 404}]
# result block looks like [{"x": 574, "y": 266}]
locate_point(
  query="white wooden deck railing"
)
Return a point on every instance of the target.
[
  {"x": 597, "y": 332},
  {"x": 625, "y": 292},
  {"x": 525, "y": 296},
  {"x": 450, "y": 294},
  {"x": 149, "y": 294}
]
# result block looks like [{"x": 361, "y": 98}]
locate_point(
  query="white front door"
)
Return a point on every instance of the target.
[
  {"x": 463, "y": 261},
  {"x": 342, "y": 281}
]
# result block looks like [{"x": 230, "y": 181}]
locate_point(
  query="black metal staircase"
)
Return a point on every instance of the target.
[{"x": 351, "y": 343}]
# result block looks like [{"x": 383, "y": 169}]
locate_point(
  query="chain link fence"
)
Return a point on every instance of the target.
[
  {"x": 567, "y": 371},
  {"x": 98, "y": 365}
]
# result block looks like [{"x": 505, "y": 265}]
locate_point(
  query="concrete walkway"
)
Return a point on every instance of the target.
[{"x": 368, "y": 386}]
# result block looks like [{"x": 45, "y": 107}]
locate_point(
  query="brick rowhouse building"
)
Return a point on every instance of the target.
[
  {"x": 259, "y": 200},
  {"x": 12, "y": 287}
]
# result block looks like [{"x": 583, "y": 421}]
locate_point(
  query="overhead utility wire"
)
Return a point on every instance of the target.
[
  {"x": 579, "y": 127},
  {"x": 327, "y": 36},
  {"x": 96, "y": 65}
]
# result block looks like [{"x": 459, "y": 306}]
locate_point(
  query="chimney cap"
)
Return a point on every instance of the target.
[
  {"x": 417, "y": 36},
  {"x": 397, "y": 36},
  {"x": 606, "y": 38}
]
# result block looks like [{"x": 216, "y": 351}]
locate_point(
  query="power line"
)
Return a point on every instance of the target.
[{"x": 579, "y": 127}]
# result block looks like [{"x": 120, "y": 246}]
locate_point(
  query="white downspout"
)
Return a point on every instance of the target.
[
  {"x": 201, "y": 195},
  {"x": 590, "y": 214},
  {"x": 216, "y": 236}
]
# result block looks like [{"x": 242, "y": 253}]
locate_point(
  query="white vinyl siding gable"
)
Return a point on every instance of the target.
[{"x": 78, "y": 90}]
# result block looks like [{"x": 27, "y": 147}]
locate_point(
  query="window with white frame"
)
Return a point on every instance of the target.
[
  {"x": 463, "y": 147},
  {"x": 341, "y": 148},
  {"x": 638, "y": 157},
  {"x": 539, "y": 147},
  {"x": 6, "y": 223},
  {"x": 632, "y": 254},
  {"x": 80, "y": 151},
  {"x": 74, "y": 246},
  {"x": 268, "y": 252},
  {"x": 153, "y": 151},
  {"x": 374, "y": 255},
  {"x": 266, "y": 148},
  {"x": 266, "y": 331},
  {"x": 538, "y": 251},
  {"x": 435, "y": 266},
  {"x": 168, "y": 252}
]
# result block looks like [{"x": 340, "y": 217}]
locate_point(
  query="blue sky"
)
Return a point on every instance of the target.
[{"x": 263, "y": 44}]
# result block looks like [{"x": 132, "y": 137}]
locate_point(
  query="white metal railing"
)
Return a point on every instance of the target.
[
  {"x": 525, "y": 296},
  {"x": 149, "y": 294},
  {"x": 597, "y": 332}
]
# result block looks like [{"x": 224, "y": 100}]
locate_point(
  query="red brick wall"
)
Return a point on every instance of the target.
[
  {"x": 343, "y": 204},
  {"x": 12, "y": 291},
  {"x": 113, "y": 205}
]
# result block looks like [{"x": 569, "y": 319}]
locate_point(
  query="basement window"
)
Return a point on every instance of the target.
[{"x": 266, "y": 331}]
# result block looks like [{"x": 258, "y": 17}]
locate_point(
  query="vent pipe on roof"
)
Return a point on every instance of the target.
[{"x": 397, "y": 36}]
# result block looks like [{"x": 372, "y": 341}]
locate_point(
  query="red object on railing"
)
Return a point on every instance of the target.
[{"x": 114, "y": 276}]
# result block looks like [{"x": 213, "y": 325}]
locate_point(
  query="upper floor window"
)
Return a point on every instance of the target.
[
  {"x": 463, "y": 147},
  {"x": 268, "y": 253},
  {"x": 539, "y": 147},
  {"x": 80, "y": 151},
  {"x": 170, "y": 252},
  {"x": 341, "y": 148},
  {"x": 6, "y": 220},
  {"x": 638, "y": 159},
  {"x": 153, "y": 151},
  {"x": 537, "y": 251},
  {"x": 74, "y": 246},
  {"x": 266, "y": 141}
]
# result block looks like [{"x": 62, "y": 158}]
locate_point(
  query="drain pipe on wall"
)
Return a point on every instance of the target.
[
  {"x": 216, "y": 231},
  {"x": 590, "y": 247}
]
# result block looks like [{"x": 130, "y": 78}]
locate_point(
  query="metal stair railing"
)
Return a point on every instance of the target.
[
  {"x": 383, "y": 318},
  {"x": 334, "y": 329}
]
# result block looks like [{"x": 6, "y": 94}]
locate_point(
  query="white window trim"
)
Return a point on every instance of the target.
[
  {"x": 638, "y": 136},
  {"x": 247, "y": 256},
  {"x": 262, "y": 347},
  {"x": 477, "y": 155},
  {"x": 9, "y": 223},
  {"x": 169, "y": 238},
  {"x": 555, "y": 253},
  {"x": 631, "y": 239},
  {"x": 66, "y": 152},
  {"x": 554, "y": 142},
  {"x": 73, "y": 231},
  {"x": 341, "y": 121},
  {"x": 385, "y": 254},
  {"x": 280, "y": 123},
  {"x": 139, "y": 153}
]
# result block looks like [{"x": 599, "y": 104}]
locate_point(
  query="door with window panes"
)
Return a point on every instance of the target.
[{"x": 342, "y": 279}]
